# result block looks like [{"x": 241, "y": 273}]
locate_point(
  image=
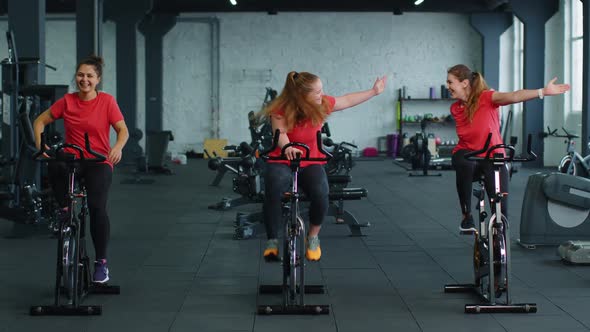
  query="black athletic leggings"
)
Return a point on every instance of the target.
[
  {"x": 312, "y": 180},
  {"x": 468, "y": 171},
  {"x": 97, "y": 178}
]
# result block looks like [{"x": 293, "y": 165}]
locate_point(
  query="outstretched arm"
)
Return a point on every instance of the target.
[
  {"x": 551, "y": 89},
  {"x": 355, "y": 98}
]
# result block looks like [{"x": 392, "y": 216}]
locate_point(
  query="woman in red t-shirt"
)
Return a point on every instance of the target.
[
  {"x": 93, "y": 112},
  {"x": 476, "y": 114},
  {"x": 298, "y": 113}
]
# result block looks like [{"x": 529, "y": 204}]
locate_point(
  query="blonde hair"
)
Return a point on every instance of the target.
[
  {"x": 477, "y": 83},
  {"x": 293, "y": 101}
]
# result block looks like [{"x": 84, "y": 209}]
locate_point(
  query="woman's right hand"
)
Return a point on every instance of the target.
[
  {"x": 291, "y": 153},
  {"x": 552, "y": 89},
  {"x": 45, "y": 155}
]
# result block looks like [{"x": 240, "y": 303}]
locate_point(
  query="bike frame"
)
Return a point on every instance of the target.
[
  {"x": 574, "y": 155},
  {"x": 294, "y": 248}
]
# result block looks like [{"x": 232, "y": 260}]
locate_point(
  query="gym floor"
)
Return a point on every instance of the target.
[{"x": 180, "y": 270}]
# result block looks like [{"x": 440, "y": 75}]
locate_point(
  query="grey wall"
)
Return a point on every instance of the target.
[{"x": 347, "y": 50}]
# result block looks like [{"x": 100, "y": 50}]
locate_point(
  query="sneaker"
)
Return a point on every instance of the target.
[
  {"x": 271, "y": 252},
  {"x": 101, "y": 272},
  {"x": 313, "y": 252},
  {"x": 467, "y": 224}
]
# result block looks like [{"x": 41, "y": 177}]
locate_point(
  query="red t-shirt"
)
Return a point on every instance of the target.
[
  {"x": 94, "y": 117},
  {"x": 472, "y": 135},
  {"x": 306, "y": 133}
]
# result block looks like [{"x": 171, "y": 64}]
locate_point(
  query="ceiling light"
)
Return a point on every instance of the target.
[
  {"x": 417, "y": 2},
  {"x": 233, "y": 2}
]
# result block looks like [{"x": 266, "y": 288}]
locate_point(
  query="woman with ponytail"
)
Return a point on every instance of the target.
[
  {"x": 299, "y": 113},
  {"x": 94, "y": 112},
  {"x": 476, "y": 113}
]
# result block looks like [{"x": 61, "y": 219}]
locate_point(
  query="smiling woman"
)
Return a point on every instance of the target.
[
  {"x": 88, "y": 111},
  {"x": 297, "y": 114},
  {"x": 476, "y": 113}
]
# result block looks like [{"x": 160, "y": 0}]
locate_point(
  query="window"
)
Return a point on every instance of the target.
[
  {"x": 575, "y": 38},
  {"x": 518, "y": 60}
]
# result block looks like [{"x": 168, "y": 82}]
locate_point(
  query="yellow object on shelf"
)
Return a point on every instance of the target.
[{"x": 215, "y": 145}]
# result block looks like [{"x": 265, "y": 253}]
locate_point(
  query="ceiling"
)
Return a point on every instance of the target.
[
  {"x": 462, "y": 6},
  {"x": 275, "y": 6}
]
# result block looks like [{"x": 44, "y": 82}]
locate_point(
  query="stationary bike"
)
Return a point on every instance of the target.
[
  {"x": 293, "y": 287},
  {"x": 572, "y": 163},
  {"x": 420, "y": 155},
  {"x": 73, "y": 264},
  {"x": 491, "y": 250}
]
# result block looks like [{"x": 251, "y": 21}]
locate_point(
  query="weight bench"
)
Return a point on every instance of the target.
[{"x": 336, "y": 209}]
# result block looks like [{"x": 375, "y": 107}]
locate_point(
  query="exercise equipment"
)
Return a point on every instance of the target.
[
  {"x": 491, "y": 254},
  {"x": 420, "y": 155},
  {"x": 555, "y": 209},
  {"x": 22, "y": 198},
  {"x": 156, "y": 149},
  {"x": 72, "y": 264},
  {"x": 248, "y": 178},
  {"x": 575, "y": 252},
  {"x": 293, "y": 287},
  {"x": 572, "y": 162}
]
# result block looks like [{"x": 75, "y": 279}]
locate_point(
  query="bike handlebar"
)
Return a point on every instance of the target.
[
  {"x": 341, "y": 145},
  {"x": 554, "y": 133},
  {"x": 275, "y": 143},
  {"x": 502, "y": 158},
  {"x": 59, "y": 147}
]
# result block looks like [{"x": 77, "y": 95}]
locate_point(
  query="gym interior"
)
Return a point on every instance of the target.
[{"x": 186, "y": 239}]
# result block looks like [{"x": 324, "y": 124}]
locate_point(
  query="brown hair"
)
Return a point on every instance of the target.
[
  {"x": 293, "y": 102},
  {"x": 92, "y": 60},
  {"x": 477, "y": 83}
]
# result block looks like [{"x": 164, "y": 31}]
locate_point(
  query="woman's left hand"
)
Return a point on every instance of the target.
[
  {"x": 379, "y": 85},
  {"x": 115, "y": 155},
  {"x": 553, "y": 89}
]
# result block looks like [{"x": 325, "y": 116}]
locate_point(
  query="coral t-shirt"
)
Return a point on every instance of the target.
[
  {"x": 306, "y": 133},
  {"x": 94, "y": 117},
  {"x": 472, "y": 135}
]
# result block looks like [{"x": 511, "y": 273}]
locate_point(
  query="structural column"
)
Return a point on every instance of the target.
[
  {"x": 586, "y": 79},
  {"x": 154, "y": 27},
  {"x": 534, "y": 14},
  {"x": 127, "y": 15},
  {"x": 89, "y": 19},
  {"x": 491, "y": 26}
]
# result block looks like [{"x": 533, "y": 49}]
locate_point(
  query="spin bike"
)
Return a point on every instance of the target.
[
  {"x": 572, "y": 163},
  {"x": 491, "y": 254},
  {"x": 293, "y": 287},
  {"x": 73, "y": 264}
]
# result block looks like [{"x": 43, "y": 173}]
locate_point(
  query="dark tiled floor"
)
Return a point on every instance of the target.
[{"x": 180, "y": 270}]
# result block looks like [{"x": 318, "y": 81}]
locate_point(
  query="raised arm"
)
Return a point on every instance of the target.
[
  {"x": 355, "y": 98},
  {"x": 39, "y": 124},
  {"x": 551, "y": 89}
]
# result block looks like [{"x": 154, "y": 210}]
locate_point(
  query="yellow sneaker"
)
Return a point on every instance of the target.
[
  {"x": 313, "y": 252},
  {"x": 271, "y": 252}
]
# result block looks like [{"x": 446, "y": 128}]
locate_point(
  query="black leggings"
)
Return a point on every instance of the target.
[
  {"x": 312, "y": 180},
  {"x": 468, "y": 171},
  {"x": 97, "y": 178}
]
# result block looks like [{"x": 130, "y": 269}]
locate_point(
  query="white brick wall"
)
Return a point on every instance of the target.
[{"x": 347, "y": 50}]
